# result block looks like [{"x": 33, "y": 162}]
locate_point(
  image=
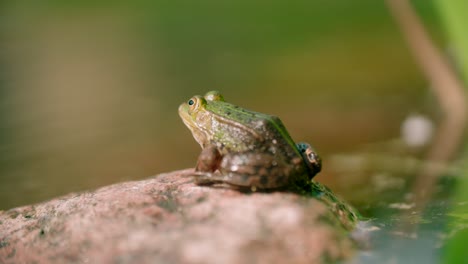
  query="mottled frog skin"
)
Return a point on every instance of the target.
[{"x": 242, "y": 147}]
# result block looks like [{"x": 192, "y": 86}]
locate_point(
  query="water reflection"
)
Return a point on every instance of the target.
[{"x": 399, "y": 227}]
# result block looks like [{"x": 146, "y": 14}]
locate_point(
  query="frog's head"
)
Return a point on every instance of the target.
[{"x": 197, "y": 118}]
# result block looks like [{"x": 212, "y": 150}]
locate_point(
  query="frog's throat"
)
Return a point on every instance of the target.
[{"x": 200, "y": 134}]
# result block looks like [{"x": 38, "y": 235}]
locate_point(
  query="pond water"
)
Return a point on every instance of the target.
[{"x": 89, "y": 97}]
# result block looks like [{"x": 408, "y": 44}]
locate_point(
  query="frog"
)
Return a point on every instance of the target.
[{"x": 244, "y": 148}]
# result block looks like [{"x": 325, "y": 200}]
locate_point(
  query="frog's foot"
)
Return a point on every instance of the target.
[
  {"x": 220, "y": 181},
  {"x": 208, "y": 178}
]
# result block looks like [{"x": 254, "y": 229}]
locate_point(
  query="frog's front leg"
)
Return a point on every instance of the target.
[
  {"x": 208, "y": 160},
  {"x": 206, "y": 170}
]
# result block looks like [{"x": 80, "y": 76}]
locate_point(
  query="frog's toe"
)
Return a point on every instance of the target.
[{"x": 203, "y": 178}]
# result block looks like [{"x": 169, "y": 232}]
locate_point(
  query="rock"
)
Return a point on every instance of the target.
[{"x": 168, "y": 219}]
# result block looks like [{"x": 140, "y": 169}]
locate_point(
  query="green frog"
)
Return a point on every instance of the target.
[{"x": 244, "y": 148}]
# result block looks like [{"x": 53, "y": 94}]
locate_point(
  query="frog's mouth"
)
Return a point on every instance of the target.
[
  {"x": 197, "y": 132},
  {"x": 186, "y": 118}
]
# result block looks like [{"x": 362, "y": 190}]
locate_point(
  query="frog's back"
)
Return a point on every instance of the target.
[
  {"x": 252, "y": 128},
  {"x": 253, "y": 121}
]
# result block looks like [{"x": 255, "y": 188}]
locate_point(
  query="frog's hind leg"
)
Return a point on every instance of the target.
[{"x": 257, "y": 182}]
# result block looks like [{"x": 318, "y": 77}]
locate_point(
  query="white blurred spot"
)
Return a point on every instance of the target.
[
  {"x": 383, "y": 182},
  {"x": 417, "y": 130},
  {"x": 402, "y": 206}
]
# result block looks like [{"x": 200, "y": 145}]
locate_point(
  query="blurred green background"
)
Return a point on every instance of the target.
[{"x": 89, "y": 90}]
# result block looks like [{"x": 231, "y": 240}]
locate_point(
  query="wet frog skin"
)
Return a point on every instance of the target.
[{"x": 242, "y": 147}]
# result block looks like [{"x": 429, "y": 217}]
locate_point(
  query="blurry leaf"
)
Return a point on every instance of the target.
[
  {"x": 456, "y": 248},
  {"x": 453, "y": 14}
]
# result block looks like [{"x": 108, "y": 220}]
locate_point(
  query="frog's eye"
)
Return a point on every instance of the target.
[
  {"x": 193, "y": 103},
  {"x": 196, "y": 102}
]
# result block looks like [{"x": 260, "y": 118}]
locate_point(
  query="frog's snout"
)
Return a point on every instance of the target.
[{"x": 181, "y": 108}]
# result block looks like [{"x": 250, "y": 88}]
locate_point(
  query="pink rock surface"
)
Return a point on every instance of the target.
[{"x": 168, "y": 219}]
